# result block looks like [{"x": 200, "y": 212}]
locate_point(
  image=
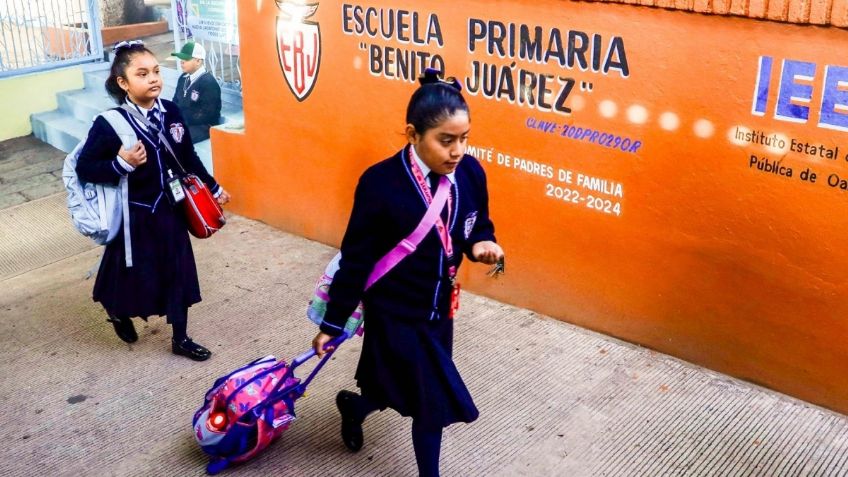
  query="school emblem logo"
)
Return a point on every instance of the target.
[
  {"x": 298, "y": 46},
  {"x": 195, "y": 95},
  {"x": 470, "y": 220},
  {"x": 177, "y": 132}
]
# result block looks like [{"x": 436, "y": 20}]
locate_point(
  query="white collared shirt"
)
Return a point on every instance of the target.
[
  {"x": 426, "y": 170},
  {"x": 158, "y": 105},
  {"x": 196, "y": 75}
]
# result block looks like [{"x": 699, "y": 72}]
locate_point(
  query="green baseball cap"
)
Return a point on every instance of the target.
[{"x": 191, "y": 50}]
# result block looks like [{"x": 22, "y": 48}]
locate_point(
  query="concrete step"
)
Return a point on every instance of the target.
[
  {"x": 85, "y": 104},
  {"x": 69, "y": 124},
  {"x": 97, "y": 78},
  {"x": 94, "y": 75},
  {"x": 232, "y": 97},
  {"x": 204, "y": 152},
  {"x": 64, "y": 131},
  {"x": 59, "y": 129}
]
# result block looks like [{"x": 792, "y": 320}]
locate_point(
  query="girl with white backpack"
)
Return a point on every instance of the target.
[{"x": 161, "y": 279}]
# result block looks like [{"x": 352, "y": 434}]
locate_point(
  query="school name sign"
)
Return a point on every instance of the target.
[{"x": 512, "y": 62}]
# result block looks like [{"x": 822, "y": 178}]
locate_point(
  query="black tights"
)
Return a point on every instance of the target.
[
  {"x": 426, "y": 440},
  {"x": 179, "y": 321},
  {"x": 427, "y": 443}
]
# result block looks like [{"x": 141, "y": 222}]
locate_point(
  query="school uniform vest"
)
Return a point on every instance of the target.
[{"x": 98, "y": 163}]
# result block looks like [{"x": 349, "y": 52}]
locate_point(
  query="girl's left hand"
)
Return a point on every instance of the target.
[
  {"x": 487, "y": 252},
  {"x": 223, "y": 198},
  {"x": 319, "y": 343}
]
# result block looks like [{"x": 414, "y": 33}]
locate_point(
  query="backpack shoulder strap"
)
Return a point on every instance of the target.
[
  {"x": 410, "y": 243},
  {"x": 128, "y": 137},
  {"x": 122, "y": 127}
]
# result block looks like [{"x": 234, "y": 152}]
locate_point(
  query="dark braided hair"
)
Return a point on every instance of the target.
[
  {"x": 124, "y": 53},
  {"x": 434, "y": 101}
]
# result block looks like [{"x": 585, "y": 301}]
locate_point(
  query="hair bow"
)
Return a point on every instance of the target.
[{"x": 127, "y": 44}]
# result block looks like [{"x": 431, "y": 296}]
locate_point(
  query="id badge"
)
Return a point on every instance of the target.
[
  {"x": 175, "y": 187},
  {"x": 454, "y": 301}
]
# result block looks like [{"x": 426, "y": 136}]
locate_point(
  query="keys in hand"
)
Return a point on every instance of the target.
[{"x": 498, "y": 270}]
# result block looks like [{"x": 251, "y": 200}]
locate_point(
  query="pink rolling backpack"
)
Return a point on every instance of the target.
[{"x": 248, "y": 409}]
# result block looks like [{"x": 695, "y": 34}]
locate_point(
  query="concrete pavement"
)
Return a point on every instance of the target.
[
  {"x": 29, "y": 169},
  {"x": 555, "y": 400}
]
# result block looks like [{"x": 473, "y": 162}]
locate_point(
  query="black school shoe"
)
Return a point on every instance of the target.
[
  {"x": 352, "y": 436},
  {"x": 188, "y": 348},
  {"x": 124, "y": 328}
]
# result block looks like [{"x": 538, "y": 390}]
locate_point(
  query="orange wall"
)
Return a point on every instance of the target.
[
  {"x": 710, "y": 259},
  {"x": 816, "y": 12}
]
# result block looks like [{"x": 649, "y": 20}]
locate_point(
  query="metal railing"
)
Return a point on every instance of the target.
[
  {"x": 37, "y": 35},
  {"x": 222, "y": 46}
]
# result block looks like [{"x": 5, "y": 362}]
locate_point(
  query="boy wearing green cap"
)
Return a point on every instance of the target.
[{"x": 198, "y": 94}]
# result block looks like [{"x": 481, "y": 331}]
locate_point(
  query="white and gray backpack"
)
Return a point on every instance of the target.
[{"x": 99, "y": 210}]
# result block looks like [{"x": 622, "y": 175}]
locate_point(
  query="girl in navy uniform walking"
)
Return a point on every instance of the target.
[
  {"x": 406, "y": 362},
  {"x": 163, "y": 277}
]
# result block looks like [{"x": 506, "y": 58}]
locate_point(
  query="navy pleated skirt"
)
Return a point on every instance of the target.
[
  {"x": 408, "y": 366},
  {"x": 163, "y": 278}
]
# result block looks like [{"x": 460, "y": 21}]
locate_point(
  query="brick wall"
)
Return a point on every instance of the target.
[{"x": 813, "y": 12}]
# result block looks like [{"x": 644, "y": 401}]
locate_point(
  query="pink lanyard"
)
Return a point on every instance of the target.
[{"x": 425, "y": 189}]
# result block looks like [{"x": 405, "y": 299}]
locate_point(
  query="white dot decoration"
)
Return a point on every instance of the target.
[
  {"x": 669, "y": 121},
  {"x": 607, "y": 108},
  {"x": 704, "y": 128},
  {"x": 637, "y": 114}
]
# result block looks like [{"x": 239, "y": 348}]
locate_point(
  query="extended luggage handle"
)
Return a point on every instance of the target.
[
  {"x": 300, "y": 388},
  {"x": 335, "y": 342},
  {"x": 289, "y": 395}
]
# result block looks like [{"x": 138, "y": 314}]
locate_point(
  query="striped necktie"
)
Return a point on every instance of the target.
[{"x": 153, "y": 117}]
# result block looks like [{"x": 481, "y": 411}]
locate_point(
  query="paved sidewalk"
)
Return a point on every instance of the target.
[
  {"x": 555, "y": 400},
  {"x": 29, "y": 170}
]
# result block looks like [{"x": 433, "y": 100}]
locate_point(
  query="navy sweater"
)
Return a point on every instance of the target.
[
  {"x": 98, "y": 159},
  {"x": 387, "y": 207},
  {"x": 201, "y": 104}
]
